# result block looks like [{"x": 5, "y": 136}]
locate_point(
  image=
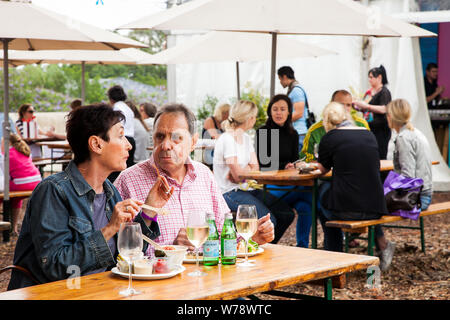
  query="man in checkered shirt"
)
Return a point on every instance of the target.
[{"x": 190, "y": 184}]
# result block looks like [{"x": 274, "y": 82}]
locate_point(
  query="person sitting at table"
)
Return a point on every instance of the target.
[
  {"x": 73, "y": 217},
  {"x": 23, "y": 174},
  {"x": 141, "y": 134},
  {"x": 277, "y": 149},
  {"x": 317, "y": 130},
  {"x": 356, "y": 191},
  {"x": 32, "y": 130},
  {"x": 212, "y": 129},
  {"x": 234, "y": 154},
  {"x": 148, "y": 112},
  {"x": 412, "y": 151},
  {"x": 193, "y": 184}
]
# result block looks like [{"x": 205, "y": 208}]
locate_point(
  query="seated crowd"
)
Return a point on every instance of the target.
[{"x": 84, "y": 207}]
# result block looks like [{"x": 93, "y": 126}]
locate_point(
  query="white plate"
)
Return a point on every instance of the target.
[
  {"x": 154, "y": 276},
  {"x": 250, "y": 254}
]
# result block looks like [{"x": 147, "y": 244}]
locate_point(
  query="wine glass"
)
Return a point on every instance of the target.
[
  {"x": 130, "y": 245},
  {"x": 197, "y": 232},
  {"x": 246, "y": 226}
]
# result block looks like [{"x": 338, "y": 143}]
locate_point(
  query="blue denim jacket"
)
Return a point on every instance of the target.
[{"x": 58, "y": 230}]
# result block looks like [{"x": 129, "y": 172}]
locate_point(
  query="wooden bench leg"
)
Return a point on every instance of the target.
[
  {"x": 371, "y": 240},
  {"x": 422, "y": 234}
]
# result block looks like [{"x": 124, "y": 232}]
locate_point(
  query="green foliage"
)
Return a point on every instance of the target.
[
  {"x": 261, "y": 102},
  {"x": 207, "y": 107}
]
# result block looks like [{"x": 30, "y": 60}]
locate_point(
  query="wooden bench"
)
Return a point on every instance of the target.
[
  {"x": 368, "y": 226},
  {"x": 5, "y": 225}
]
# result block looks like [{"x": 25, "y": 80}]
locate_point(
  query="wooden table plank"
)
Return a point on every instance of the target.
[{"x": 278, "y": 266}]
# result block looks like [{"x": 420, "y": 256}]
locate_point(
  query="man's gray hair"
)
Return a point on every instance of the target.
[{"x": 178, "y": 108}]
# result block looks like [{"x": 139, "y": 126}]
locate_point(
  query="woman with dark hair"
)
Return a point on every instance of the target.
[
  {"x": 380, "y": 96},
  {"x": 73, "y": 217},
  {"x": 277, "y": 149}
]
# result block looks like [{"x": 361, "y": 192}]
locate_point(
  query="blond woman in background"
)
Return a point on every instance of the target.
[
  {"x": 412, "y": 151},
  {"x": 234, "y": 154}
]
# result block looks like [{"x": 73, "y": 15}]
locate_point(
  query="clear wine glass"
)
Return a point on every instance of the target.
[
  {"x": 246, "y": 226},
  {"x": 197, "y": 232},
  {"x": 130, "y": 245}
]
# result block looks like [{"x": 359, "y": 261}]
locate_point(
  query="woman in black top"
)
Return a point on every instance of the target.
[
  {"x": 277, "y": 149},
  {"x": 381, "y": 96},
  {"x": 356, "y": 191}
]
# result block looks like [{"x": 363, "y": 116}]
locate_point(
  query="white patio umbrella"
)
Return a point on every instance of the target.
[
  {"x": 83, "y": 57},
  {"x": 318, "y": 17},
  {"x": 24, "y": 26},
  {"x": 231, "y": 46}
]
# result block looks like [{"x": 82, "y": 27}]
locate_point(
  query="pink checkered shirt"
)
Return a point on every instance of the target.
[{"x": 199, "y": 191}]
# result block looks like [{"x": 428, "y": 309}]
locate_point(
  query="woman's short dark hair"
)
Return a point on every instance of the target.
[
  {"x": 288, "y": 124},
  {"x": 178, "y": 108},
  {"x": 149, "y": 108},
  {"x": 22, "y": 109},
  {"x": 116, "y": 93},
  {"x": 91, "y": 120},
  {"x": 377, "y": 71}
]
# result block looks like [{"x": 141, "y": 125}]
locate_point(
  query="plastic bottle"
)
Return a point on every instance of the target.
[
  {"x": 211, "y": 247},
  {"x": 228, "y": 242}
]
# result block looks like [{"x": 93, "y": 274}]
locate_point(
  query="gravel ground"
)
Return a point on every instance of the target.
[{"x": 413, "y": 275}]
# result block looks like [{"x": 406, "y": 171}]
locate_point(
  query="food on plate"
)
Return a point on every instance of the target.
[
  {"x": 252, "y": 246},
  {"x": 161, "y": 266},
  {"x": 160, "y": 253},
  {"x": 191, "y": 255},
  {"x": 122, "y": 265},
  {"x": 169, "y": 248},
  {"x": 143, "y": 266}
]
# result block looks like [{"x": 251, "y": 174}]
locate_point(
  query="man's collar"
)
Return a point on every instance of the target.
[{"x": 190, "y": 172}]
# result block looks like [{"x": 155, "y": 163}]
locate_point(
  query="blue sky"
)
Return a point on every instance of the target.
[{"x": 109, "y": 15}]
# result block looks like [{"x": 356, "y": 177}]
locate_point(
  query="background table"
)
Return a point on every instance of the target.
[{"x": 278, "y": 266}]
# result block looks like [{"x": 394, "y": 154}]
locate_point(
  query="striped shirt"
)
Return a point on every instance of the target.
[
  {"x": 317, "y": 131},
  {"x": 198, "y": 192}
]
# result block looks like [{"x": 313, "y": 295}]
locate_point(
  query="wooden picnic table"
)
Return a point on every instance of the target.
[
  {"x": 278, "y": 266},
  {"x": 291, "y": 177},
  {"x": 52, "y": 144}
]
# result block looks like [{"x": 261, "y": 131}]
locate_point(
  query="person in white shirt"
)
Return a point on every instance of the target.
[
  {"x": 234, "y": 154},
  {"x": 117, "y": 97}
]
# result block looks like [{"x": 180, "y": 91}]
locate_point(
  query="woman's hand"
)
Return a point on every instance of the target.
[
  {"x": 124, "y": 211},
  {"x": 361, "y": 105}
]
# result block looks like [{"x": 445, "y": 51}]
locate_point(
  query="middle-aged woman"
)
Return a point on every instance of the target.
[
  {"x": 24, "y": 176},
  {"x": 412, "y": 151},
  {"x": 73, "y": 217},
  {"x": 381, "y": 96},
  {"x": 234, "y": 154},
  {"x": 356, "y": 191},
  {"x": 277, "y": 149}
]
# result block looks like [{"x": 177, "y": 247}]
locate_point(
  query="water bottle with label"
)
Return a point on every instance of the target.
[
  {"x": 211, "y": 247},
  {"x": 228, "y": 241}
]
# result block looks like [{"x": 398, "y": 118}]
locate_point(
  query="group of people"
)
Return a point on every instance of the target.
[{"x": 84, "y": 208}]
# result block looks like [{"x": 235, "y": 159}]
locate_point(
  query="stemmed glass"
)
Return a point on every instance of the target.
[
  {"x": 130, "y": 245},
  {"x": 246, "y": 226},
  {"x": 197, "y": 232}
]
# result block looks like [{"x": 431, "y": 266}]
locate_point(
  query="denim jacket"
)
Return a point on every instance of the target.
[{"x": 58, "y": 233}]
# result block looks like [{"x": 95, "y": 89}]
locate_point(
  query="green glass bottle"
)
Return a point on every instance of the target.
[
  {"x": 211, "y": 247},
  {"x": 228, "y": 242}
]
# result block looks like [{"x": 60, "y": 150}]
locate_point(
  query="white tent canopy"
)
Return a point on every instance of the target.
[{"x": 320, "y": 17}]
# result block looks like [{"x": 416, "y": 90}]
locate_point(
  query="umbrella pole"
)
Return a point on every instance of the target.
[
  {"x": 273, "y": 61},
  {"x": 238, "y": 81},
  {"x": 83, "y": 81},
  {"x": 6, "y": 131}
]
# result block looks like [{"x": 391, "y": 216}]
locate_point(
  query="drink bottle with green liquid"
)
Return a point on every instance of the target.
[
  {"x": 228, "y": 241},
  {"x": 211, "y": 247}
]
